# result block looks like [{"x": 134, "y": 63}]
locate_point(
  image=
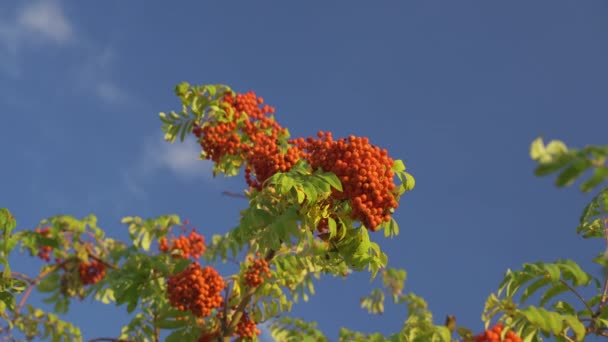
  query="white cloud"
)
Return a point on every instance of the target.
[
  {"x": 180, "y": 158},
  {"x": 45, "y": 19},
  {"x": 111, "y": 93},
  {"x": 37, "y": 22},
  {"x": 93, "y": 76},
  {"x": 43, "y": 22}
]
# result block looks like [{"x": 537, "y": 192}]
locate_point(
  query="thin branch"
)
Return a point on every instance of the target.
[
  {"x": 92, "y": 254},
  {"x": 224, "y": 320},
  {"x": 33, "y": 284},
  {"x": 234, "y": 194},
  {"x": 573, "y": 290},
  {"x": 22, "y": 277},
  {"x": 568, "y": 338},
  {"x": 238, "y": 312}
]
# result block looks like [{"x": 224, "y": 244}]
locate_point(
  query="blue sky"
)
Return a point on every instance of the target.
[{"x": 458, "y": 90}]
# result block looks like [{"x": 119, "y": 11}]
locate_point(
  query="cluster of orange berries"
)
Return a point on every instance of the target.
[
  {"x": 252, "y": 134},
  {"x": 256, "y": 271},
  {"x": 44, "y": 252},
  {"x": 255, "y": 138},
  {"x": 364, "y": 170},
  {"x": 493, "y": 335},
  {"x": 197, "y": 289},
  {"x": 246, "y": 328},
  {"x": 191, "y": 246},
  {"x": 91, "y": 272}
]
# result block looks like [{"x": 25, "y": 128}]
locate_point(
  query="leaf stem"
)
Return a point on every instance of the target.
[{"x": 573, "y": 290}]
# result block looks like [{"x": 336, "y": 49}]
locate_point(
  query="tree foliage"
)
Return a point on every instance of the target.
[{"x": 315, "y": 206}]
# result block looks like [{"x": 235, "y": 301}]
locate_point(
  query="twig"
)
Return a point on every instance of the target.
[
  {"x": 92, "y": 254},
  {"x": 238, "y": 312},
  {"x": 573, "y": 290},
  {"x": 33, "y": 283},
  {"x": 233, "y": 194}
]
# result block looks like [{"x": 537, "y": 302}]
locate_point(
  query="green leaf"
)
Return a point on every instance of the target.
[
  {"x": 546, "y": 154},
  {"x": 552, "y": 292},
  {"x": 182, "y": 88},
  {"x": 572, "y": 172},
  {"x": 171, "y": 324},
  {"x": 49, "y": 283},
  {"x": 7, "y": 222},
  {"x": 146, "y": 241},
  {"x": 556, "y": 147},
  {"x": 333, "y": 228},
  {"x": 572, "y": 271},
  {"x": 553, "y": 271},
  {"x": 577, "y": 326},
  {"x": 591, "y": 220},
  {"x": 176, "y": 336},
  {"x": 599, "y": 175},
  {"x": 565, "y": 307},
  {"x": 532, "y": 288},
  {"x": 544, "y": 319},
  {"x": 8, "y": 299},
  {"x": 410, "y": 183},
  {"x": 537, "y": 149},
  {"x": 551, "y": 167},
  {"x": 18, "y": 286},
  {"x": 444, "y": 333},
  {"x": 398, "y": 166},
  {"x": 332, "y": 180}
]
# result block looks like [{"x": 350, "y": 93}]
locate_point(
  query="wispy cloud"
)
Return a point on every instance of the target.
[
  {"x": 180, "y": 158},
  {"x": 33, "y": 24},
  {"x": 110, "y": 92},
  {"x": 44, "y": 23},
  {"x": 46, "y": 20},
  {"x": 94, "y": 75}
]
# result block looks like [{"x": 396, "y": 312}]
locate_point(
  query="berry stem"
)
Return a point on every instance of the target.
[{"x": 238, "y": 313}]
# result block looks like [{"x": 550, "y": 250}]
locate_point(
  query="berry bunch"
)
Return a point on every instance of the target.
[
  {"x": 219, "y": 140},
  {"x": 493, "y": 335},
  {"x": 256, "y": 271},
  {"x": 196, "y": 289},
  {"x": 364, "y": 171},
  {"x": 192, "y": 246},
  {"x": 44, "y": 252},
  {"x": 252, "y": 134},
  {"x": 246, "y": 328},
  {"x": 91, "y": 272}
]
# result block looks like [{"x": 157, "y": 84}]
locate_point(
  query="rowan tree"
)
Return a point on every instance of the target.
[{"x": 317, "y": 205}]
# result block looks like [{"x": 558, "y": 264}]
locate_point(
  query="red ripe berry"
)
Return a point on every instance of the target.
[
  {"x": 91, "y": 272},
  {"x": 246, "y": 328},
  {"x": 257, "y": 271},
  {"x": 196, "y": 289},
  {"x": 364, "y": 170},
  {"x": 493, "y": 335},
  {"x": 44, "y": 252},
  {"x": 192, "y": 246},
  {"x": 255, "y": 138}
]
